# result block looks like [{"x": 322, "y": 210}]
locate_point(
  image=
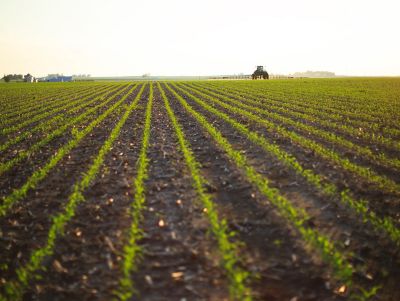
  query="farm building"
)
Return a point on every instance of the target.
[
  {"x": 29, "y": 78},
  {"x": 53, "y": 78}
]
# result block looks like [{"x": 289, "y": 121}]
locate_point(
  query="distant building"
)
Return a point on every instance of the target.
[
  {"x": 61, "y": 78},
  {"x": 29, "y": 78},
  {"x": 55, "y": 78}
]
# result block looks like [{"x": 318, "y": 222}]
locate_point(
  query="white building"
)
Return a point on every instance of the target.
[{"x": 29, "y": 78}]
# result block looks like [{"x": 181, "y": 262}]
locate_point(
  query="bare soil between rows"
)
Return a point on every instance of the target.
[
  {"x": 180, "y": 259},
  {"x": 374, "y": 256}
]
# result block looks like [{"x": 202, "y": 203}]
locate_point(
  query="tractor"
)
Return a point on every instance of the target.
[{"x": 260, "y": 73}]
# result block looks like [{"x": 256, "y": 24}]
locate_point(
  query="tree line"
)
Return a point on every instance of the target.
[{"x": 9, "y": 77}]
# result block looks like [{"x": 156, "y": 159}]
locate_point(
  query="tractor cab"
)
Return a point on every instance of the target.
[{"x": 260, "y": 73}]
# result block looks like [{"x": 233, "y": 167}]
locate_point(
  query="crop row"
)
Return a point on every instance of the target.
[
  {"x": 5, "y": 166},
  {"x": 294, "y": 216},
  {"x": 367, "y": 108},
  {"x": 12, "y": 103},
  {"x": 359, "y": 206},
  {"x": 27, "y": 120},
  {"x": 37, "y": 106},
  {"x": 229, "y": 251},
  {"x": 321, "y": 110},
  {"x": 41, "y": 173},
  {"x": 60, "y": 220},
  {"x": 131, "y": 249},
  {"x": 311, "y": 115},
  {"x": 14, "y": 289},
  {"x": 59, "y": 121},
  {"x": 226, "y": 107},
  {"x": 380, "y": 181},
  {"x": 317, "y": 133}
]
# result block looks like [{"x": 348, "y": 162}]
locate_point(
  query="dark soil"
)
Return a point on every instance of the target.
[
  {"x": 30, "y": 125},
  {"x": 85, "y": 264},
  {"x": 355, "y": 139},
  {"x": 331, "y": 172},
  {"x": 17, "y": 176},
  {"x": 26, "y": 225},
  {"x": 33, "y": 101},
  {"x": 37, "y": 136},
  {"x": 284, "y": 269},
  {"x": 388, "y": 171},
  {"x": 374, "y": 255},
  {"x": 180, "y": 258}
]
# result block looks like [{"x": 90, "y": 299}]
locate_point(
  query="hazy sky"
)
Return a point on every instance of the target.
[{"x": 161, "y": 37}]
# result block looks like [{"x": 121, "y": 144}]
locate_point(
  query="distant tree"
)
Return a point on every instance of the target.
[
  {"x": 9, "y": 77},
  {"x": 17, "y": 77}
]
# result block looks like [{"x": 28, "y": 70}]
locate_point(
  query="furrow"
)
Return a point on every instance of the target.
[
  {"x": 41, "y": 173},
  {"x": 131, "y": 250},
  {"x": 311, "y": 116},
  {"x": 5, "y": 166},
  {"x": 47, "y": 113},
  {"x": 50, "y": 124},
  {"x": 360, "y": 207},
  {"x": 236, "y": 275},
  {"x": 307, "y": 130},
  {"x": 380, "y": 181},
  {"x": 296, "y": 217},
  {"x": 41, "y": 106},
  {"x": 14, "y": 290}
]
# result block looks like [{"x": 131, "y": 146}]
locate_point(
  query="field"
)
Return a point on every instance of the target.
[{"x": 201, "y": 190}]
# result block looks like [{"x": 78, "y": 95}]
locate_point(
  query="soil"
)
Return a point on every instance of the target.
[
  {"x": 18, "y": 175},
  {"x": 64, "y": 112},
  {"x": 330, "y": 171},
  {"x": 373, "y": 255},
  {"x": 352, "y": 155},
  {"x": 283, "y": 268},
  {"x": 26, "y": 225},
  {"x": 180, "y": 257}
]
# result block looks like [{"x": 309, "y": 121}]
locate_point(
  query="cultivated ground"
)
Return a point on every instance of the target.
[{"x": 204, "y": 190}]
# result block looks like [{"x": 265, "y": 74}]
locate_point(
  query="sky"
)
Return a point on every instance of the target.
[{"x": 209, "y": 37}]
